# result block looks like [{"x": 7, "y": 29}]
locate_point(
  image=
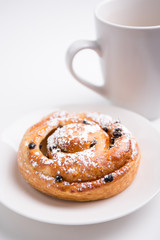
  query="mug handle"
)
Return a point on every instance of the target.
[{"x": 72, "y": 51}]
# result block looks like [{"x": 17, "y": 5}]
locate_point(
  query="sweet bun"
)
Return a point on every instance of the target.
[{"x": 81, "y": 157}]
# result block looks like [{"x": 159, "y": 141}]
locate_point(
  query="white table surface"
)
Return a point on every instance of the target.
[{"x": 34, "y": 36}]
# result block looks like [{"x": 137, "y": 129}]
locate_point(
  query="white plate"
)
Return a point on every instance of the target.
[{"x": 19, "y": 196}]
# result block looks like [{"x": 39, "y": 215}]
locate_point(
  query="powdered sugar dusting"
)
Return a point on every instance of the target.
[
  {"x": 34, "y": 163},
  {"x": 83, "y": 158},
  {"x": 47, "y": 161},
  {"x": 101, "y": 119},
  {"x": 62, "y": 137},
  {"x": 134, "y": 148},
  {"x": 52, "y": 122},
  {"x": 60, "y": 116},
  {"x": 45, "y": 176},
  {"x": 121, "y": 170}
]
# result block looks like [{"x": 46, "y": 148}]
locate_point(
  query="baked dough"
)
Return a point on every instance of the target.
[{"x": 82, "y": 156}]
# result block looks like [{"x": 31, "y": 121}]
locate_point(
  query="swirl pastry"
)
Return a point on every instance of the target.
[{"x": 81, "y": 157}]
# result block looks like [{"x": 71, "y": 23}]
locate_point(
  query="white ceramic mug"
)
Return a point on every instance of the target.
[{"x": 128, "y": 44}]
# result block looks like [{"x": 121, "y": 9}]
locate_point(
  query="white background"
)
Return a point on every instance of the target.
[{"x": 34, "y": 37}]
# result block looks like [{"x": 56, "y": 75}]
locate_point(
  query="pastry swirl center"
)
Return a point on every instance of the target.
[{"x": 73, "y": 137}]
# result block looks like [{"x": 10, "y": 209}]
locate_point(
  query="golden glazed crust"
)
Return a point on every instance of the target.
[{"x": 81, "y": 157}]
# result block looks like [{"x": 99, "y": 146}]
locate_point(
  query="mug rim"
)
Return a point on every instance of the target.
[{"x": 110, "y": 23}]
